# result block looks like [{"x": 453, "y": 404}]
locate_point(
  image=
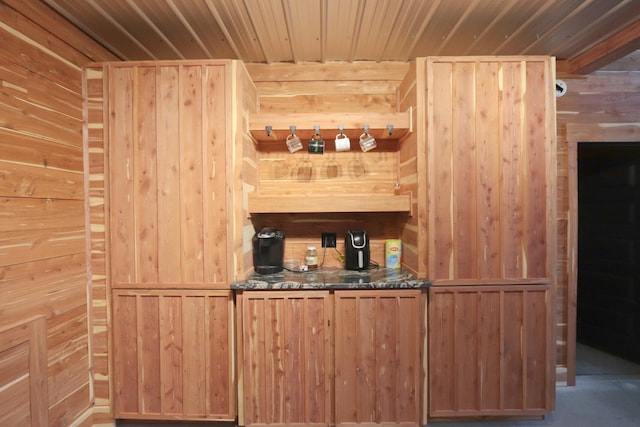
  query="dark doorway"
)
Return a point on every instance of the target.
[{"x": 608, "y": 312}]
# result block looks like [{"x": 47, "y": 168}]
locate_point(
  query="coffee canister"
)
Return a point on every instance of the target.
[{"x": 393, "y": 253}]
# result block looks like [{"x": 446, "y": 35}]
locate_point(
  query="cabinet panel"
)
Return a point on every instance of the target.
[
  {"x": 491, "y": 168},
  {"x": 288, "y": 360},
  {"x": 378, "y": 357},
  {"x": 167, "y": 181},
  {"x": 173, "y": 354},
  {"x": 490, "y": 351}
]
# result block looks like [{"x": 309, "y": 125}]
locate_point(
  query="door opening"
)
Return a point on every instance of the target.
[{"x": 608, "y": 277}]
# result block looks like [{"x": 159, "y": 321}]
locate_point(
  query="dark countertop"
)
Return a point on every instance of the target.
[{"x": 333, "y": 278}]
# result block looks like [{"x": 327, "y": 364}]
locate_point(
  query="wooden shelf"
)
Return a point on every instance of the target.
[
  {"x": 329, "y": 203},
  {"x": 329, "y": 124}
]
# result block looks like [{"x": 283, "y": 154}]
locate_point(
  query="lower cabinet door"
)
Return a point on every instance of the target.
[
  {"x": 286, "y": 357},
  {"x": 173, "y": 354},
  {"x": 491, "y": 351},
  {"x": 378, "y": 346}
]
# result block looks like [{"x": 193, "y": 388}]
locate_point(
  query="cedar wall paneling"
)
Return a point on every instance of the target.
[
  {"x": 413, "y": 170},
  {"x": 610, "y": 101},
  {"x": 329, "y": 88},
  {"x": 43, "y": 260}
]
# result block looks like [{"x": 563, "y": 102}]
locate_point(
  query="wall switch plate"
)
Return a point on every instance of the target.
[{"x": 328, "y": 240}]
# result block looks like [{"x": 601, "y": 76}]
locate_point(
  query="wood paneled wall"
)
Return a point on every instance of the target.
[
  {"x": 43, "y": 251},
  {"x": 608, "y": 100},
  {"x": 328, "y": 88}
]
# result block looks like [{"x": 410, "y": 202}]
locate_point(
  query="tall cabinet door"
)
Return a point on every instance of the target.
[
  {"x": 167, "y": 227},
  {"x": 491, "y": 147},
  {"x": 379, "y": 344},
  {"x": 287, "y": 362},
  {"x": 167, "y": 176},
  {"x": 491, "y": 169},
  {"x": 172, "y": 354}
]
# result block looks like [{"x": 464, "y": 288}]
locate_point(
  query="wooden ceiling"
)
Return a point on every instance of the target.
[{"x": 585, "y": 34}]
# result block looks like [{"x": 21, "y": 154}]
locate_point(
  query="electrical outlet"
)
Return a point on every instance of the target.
[{"x": 329, "y": 240}]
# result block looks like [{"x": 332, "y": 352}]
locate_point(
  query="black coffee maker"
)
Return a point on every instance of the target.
[
  {"x": 268, "y": 251},
  {"x": 357, "y": 255}
]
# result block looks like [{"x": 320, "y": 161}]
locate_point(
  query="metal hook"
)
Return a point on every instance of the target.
[
  {"x": 317, "y": 128},
  {"x": 390, "y": 129},
  {"x": 341, "y": 129},
  {"x": 268, "y": 129},
  {"x": 366, "y": 129},
  {"x": 293, "y": 130}
]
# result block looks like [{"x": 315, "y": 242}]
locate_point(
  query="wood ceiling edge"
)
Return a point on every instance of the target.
[{"x": 615, "y": 47}]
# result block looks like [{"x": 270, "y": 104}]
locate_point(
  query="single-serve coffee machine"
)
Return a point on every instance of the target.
[
  {"x": 357, "y": 255},
  {"x": 268, "y": 251}
]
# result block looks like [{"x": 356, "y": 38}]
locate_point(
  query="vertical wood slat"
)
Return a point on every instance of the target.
[
  {"x": 377, "y": 330},
  {"x": 489, "y": 134},
  {"x": 167, "y": 364},
  {"x": 492, "y": 341},
  {"x": 287, "y": 358},
  {"x": 167, "y": 174},
  {"x": 146, "y": 172}
]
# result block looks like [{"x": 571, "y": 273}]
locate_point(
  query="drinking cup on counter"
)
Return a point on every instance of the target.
[
  {"x": 367, "y": 142},
  {"x": 342, "y": 142},
  {"x": 293, "y": 143}
]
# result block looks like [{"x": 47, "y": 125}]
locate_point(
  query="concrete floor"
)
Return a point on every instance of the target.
[{"x": 607, "y": 394}]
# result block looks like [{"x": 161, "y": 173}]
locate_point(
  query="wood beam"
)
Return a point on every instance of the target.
[{"x": 608, "y": 51}]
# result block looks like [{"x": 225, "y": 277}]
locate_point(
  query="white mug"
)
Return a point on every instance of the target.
[{"x": 342, "y": 142}]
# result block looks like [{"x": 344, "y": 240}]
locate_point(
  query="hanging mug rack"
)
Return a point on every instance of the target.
[{"x": 276, "y": 127}]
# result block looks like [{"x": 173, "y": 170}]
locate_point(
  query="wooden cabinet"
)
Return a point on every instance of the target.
[
  {"x": 171, "y": 354},
  {"x": 286, "y": 357},
  {"x": 169, "y": 204},
  {"x": 491, "y": 196},
  {"x": 324, "y": 358},
  {"x": 491, "y": 144},
  {"x": 167, "y": 157},
  {"x": 490, "y": 352},
  {"x": 379, "y": 374}
]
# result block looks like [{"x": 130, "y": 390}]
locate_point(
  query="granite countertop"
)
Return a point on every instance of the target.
[{"x": 333, "y": 278}]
